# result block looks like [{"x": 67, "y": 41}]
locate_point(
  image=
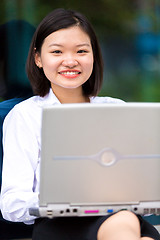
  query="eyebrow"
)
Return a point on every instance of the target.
[
  {"x": 55, "y": 44},
  {"x": 60, "y": 45},
  {"x": 83, "y": 44}
]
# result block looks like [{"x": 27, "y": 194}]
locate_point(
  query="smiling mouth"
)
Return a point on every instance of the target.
[{"x": 70, "y": 73}]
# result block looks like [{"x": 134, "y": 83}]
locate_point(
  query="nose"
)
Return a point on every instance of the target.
[{"x": 70, "y": 62}]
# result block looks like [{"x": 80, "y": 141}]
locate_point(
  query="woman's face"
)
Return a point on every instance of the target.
[{"x": 66, "y": 58}]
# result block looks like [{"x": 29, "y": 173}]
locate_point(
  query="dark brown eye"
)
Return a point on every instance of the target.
[
  {"x": 82, "y": 51},
  {"x": 57, "y": 52}
]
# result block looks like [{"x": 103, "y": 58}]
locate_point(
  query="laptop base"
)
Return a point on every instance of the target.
[{"x": 67, "y": 210}]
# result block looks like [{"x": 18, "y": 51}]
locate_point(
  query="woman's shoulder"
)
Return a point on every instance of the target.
[
  {"x": 31, "y": 104},
  {"x": 24, "y": 110},
  {"x": 36, "y": 103},
  {"x": 106, "y": 100}
]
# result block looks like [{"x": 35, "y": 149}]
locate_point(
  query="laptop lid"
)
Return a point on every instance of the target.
[{"x": 100, "y": 154}]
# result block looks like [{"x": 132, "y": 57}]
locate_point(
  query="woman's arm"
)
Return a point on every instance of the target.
[{"x": 20, "y": 175}]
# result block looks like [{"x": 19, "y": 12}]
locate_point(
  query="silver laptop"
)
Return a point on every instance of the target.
[{"x": 100, "y": 158}]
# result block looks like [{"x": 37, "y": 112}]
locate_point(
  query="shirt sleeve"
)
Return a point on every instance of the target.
[{"x": 20, "y": 167}]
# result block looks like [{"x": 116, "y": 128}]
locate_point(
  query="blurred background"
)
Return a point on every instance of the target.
[{"x": 129, "y": 35}]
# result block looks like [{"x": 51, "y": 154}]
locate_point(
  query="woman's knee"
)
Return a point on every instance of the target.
[
  {"x": 126, "y": 217},
  {"x": 123, "y": 220}
]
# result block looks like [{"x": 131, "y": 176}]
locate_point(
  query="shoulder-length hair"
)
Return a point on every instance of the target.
[{"x": 54, "y": 21}]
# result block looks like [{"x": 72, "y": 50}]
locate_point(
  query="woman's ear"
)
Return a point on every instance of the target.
[{"x": 37, "y": 58}]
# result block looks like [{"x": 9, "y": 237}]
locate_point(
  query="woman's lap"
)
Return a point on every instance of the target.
[{"x": 80, "y": 228}]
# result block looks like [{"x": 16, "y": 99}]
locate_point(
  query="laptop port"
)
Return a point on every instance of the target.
[
  {"x": 110, "y": 210},
  {"x": 153, "y": 211},
  {"x": 49, "y": 212},
  {"x": 158, "y": 211},
  {"x": 67, "y": 210},
  {"x": 146, "y": 211},
  {"x": 91, "y": 211},
  {"x": 75, "y": 210}
]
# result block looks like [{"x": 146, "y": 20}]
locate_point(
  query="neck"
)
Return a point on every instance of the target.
[{"x": 70, "y": 95}]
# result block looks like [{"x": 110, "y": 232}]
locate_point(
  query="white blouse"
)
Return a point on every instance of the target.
[{"x": 22, "y": 148}]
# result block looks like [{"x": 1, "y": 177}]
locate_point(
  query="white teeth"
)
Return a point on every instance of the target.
[{"x": 69, "y": 73}]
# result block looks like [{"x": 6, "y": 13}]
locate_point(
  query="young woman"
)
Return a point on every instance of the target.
[{"x": 64, "y": 66}]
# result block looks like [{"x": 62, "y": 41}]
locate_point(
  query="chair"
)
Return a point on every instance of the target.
[{"x": 10, "y": 230}]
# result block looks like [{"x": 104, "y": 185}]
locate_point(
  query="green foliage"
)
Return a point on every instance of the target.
[
  {"x": 139, "y": 87},
  {"x": 106, "y": 15}
]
